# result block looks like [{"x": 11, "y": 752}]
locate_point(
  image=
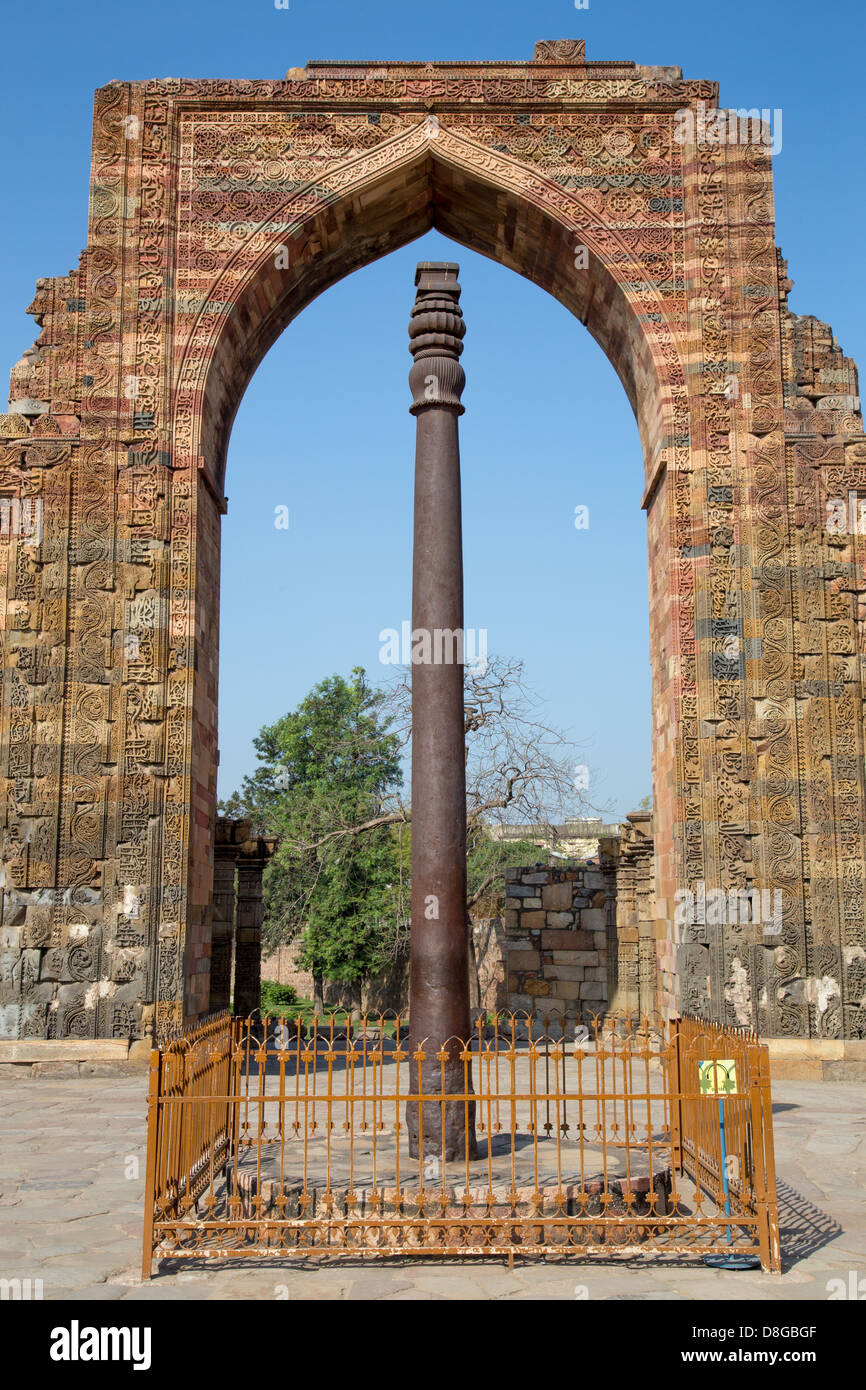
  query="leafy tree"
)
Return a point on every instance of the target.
[{"x": 323, "y": 768}]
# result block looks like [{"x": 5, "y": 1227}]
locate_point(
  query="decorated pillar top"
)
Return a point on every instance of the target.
[{"x": 436, "y": 332}]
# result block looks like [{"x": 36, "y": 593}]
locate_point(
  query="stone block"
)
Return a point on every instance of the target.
[
  {"x": 519, "y": 941},
  {"x": 592, "y": 989},
  {"x": 43, "y": 1050},
  {"x": 532, "y": 919},
  {"x": 10, "y": 1015},
  {"x": 56, "y": 1071},
  {"x": 520, "y": 1001},
  {"x": 540, "y": 876},
  {"x": 557, "y": 1004},
  {"x": 554, "y": 939},
  {"x": 566, "y": 972},
  {"x": 842, "y": 1071},
  {"x": 575, "y": 958},
  {"x": 524, "y": 960},
  {"x": 537, "y": 988},
  {"x": 796, "y": 1069},
  {"x": 557, "y": 896},
  {"x": 568, "y": 989},
  {"x": 592, "y": 919},
  {"x": 820, "y": 1049},
  {"x": 560, "y": 920}
]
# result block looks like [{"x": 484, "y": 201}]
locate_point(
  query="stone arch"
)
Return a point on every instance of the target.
[
  {"x": 425, "y": 176},
  {"x": 450, "y": 183},
  {"x": 119, "y": 416}
]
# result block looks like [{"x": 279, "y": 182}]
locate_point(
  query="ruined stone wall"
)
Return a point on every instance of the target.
[
  {"x": 218, "y": 210},
  {"x": 281, "y": 965},
  {"x": 556, "y": 941}
]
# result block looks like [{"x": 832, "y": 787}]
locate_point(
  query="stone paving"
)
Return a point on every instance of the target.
[{"x": 71, "y": 1187}]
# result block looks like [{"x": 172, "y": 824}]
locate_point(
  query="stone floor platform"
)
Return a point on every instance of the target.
[
  {"x": 72, "y": 1179},
  {"x": 66, "y": 1058}
]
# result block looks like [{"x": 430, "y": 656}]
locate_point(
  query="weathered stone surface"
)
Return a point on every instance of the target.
[
  {"x": 43, "y": 1050},
  {"x": 524, "y": 960},
  {"x": 532, "y": 919},
  {"x": 557, "y": 897},
  {"x": 250, "y": 198},
  {"x": 554, "y": 940},
  {"x": 565, "y": 957}
]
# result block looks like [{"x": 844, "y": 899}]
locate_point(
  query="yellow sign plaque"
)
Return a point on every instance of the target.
[{"x": 718, "y": 1078}]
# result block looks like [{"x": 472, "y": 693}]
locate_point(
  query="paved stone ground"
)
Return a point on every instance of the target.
[{"x": 71, "y": 1184}]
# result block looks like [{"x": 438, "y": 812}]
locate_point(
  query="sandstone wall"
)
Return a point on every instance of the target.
[{"x": 558, "y": 940}]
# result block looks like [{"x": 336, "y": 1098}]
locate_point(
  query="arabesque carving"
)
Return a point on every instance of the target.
[{"x": 218, "y": 210}]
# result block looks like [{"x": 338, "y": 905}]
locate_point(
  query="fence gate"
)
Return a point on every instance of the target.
[{"x": 287, "y": 1137}]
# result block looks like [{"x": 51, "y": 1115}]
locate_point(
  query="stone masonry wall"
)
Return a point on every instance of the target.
[
  {"x": 557, "y": 940},
  {"x": 281, "y": 965},
  {"x": 219, "y": 209}
]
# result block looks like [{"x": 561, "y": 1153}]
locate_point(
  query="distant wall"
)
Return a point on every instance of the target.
[{"x": 559, "y": 939}]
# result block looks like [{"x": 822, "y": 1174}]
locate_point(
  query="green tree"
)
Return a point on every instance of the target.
[{"x": 337, "y": 877}]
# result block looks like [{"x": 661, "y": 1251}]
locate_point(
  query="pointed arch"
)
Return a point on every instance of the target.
[{"x": 427, "y": 177}]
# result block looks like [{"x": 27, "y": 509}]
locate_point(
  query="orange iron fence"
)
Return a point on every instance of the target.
[{"x": 288, "y": 1137}]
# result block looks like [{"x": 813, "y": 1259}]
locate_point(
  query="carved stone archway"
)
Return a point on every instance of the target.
[{"x": 218, "y": 210}]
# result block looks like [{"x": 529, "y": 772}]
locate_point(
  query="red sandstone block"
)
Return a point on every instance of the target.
[
  {"x": 532, "y": 919},
  {"x": 524, "y": 960},
  {"x": 564, "y": 940}
]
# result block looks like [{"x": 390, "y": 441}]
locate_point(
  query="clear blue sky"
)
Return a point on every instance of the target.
[{"x": 547, "y": 426}]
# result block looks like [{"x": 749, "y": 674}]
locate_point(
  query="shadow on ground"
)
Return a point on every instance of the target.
[{"x": 803, "y": 1227}]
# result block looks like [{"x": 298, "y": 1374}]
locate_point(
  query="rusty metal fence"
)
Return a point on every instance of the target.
[{"x": 284, "y": 1137}]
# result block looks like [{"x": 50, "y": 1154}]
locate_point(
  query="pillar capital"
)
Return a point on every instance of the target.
[{"x": 436, "y": 331}]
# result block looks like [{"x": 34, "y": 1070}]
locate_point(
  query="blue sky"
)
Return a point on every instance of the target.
[{"x": 547, "y": 426}]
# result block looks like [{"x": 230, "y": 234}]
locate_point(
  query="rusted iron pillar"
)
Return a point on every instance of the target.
[{"x": 439, "y": 975}]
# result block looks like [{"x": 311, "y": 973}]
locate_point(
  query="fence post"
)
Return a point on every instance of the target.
[
  {"x": 676, "y": 1087},
  {"x": 153, "y": 1125},
  {"x": 235, "y": 1069},
  {"x": 765, "y": 1162}
]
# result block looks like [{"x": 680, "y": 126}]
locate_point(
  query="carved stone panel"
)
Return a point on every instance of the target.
[{"x": 219, "y": 209}]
